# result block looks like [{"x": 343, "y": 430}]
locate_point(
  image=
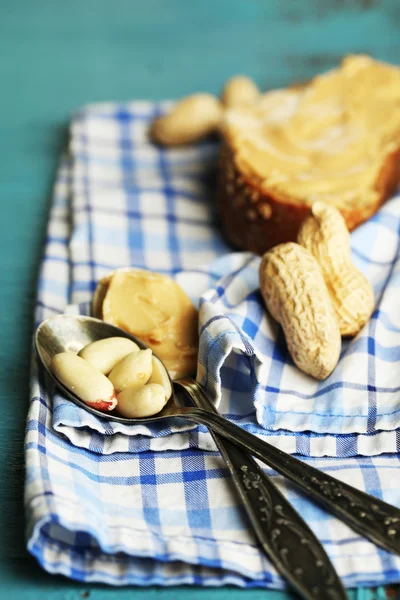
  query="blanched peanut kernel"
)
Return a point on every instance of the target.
[
  {"x": 83, "y": 380},
  {"x": 133, "y": 371},
  {"x": 160, "y": 375},
  {"x": 143, "y": 402},
  {"x": 106, "y": 353}
]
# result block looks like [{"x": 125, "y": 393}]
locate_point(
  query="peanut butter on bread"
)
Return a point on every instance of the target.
[{"x": 335, "y": 140}]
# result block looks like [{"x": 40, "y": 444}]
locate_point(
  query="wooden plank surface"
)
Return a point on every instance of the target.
[{"x": 56, "y": 56}]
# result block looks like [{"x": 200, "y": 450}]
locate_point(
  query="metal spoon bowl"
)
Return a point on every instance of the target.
[
  {"x": 66, "y": 333},
  {"x": 372, "y": 518}
]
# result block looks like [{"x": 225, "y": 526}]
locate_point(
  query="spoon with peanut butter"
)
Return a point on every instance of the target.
[
  {"x": 372, "y": 518},
  {"x": 154, "y": 308}
]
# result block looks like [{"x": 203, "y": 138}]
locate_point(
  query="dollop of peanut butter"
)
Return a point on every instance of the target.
[
  {"x": 155, "y": 309},
  {"x": 325, "y": 141}
]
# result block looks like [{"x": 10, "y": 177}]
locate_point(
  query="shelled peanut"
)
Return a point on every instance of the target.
[
  {"x": 133, "y": 371},
  {"x": 106, "y": 353},
  {"x": 115, "y": 373},
  {"x": 143, "y": 402},
  {"x": 200, "y": 115},
  {"x": 325, "y": 235},
  {"x": 297, "y": 297},
  {"x": 85, "y": 381}
]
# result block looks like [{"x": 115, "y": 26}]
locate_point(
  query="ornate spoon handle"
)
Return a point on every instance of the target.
[
  {"x": 284, "y": 536},
  {"x": 372, "y": 518}
]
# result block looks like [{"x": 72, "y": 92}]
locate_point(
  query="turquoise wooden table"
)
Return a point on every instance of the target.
[{"x": 56, "y": 56}]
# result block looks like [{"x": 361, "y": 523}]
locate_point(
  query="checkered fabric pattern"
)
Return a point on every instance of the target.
[{"x": 101, "y": 504}]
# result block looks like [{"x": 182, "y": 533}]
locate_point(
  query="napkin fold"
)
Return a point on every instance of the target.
[{"x": 101, "y": 504}]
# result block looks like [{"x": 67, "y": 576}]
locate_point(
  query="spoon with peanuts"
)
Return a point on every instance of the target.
[
  {"x": 79, "y": 353},
  {"x": 372, "y": 518}
]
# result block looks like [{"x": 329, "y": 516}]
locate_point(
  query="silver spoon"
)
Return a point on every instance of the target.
[
  {"x": 278, "y": 527},
  {"x": 369, "y": 516}
]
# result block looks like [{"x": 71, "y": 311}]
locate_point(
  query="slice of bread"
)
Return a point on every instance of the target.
[{"x": 335, "y": 140}]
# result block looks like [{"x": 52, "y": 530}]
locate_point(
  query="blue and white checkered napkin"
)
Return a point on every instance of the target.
[{"x": 102, "y": 503}]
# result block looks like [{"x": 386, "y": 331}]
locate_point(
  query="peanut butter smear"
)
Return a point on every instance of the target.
[
  {"x": 325, "y": 141},
  {"x": 155, "y": 309}
]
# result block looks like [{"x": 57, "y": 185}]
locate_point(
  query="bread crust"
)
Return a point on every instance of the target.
[{"x": 256, "y": 221}]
